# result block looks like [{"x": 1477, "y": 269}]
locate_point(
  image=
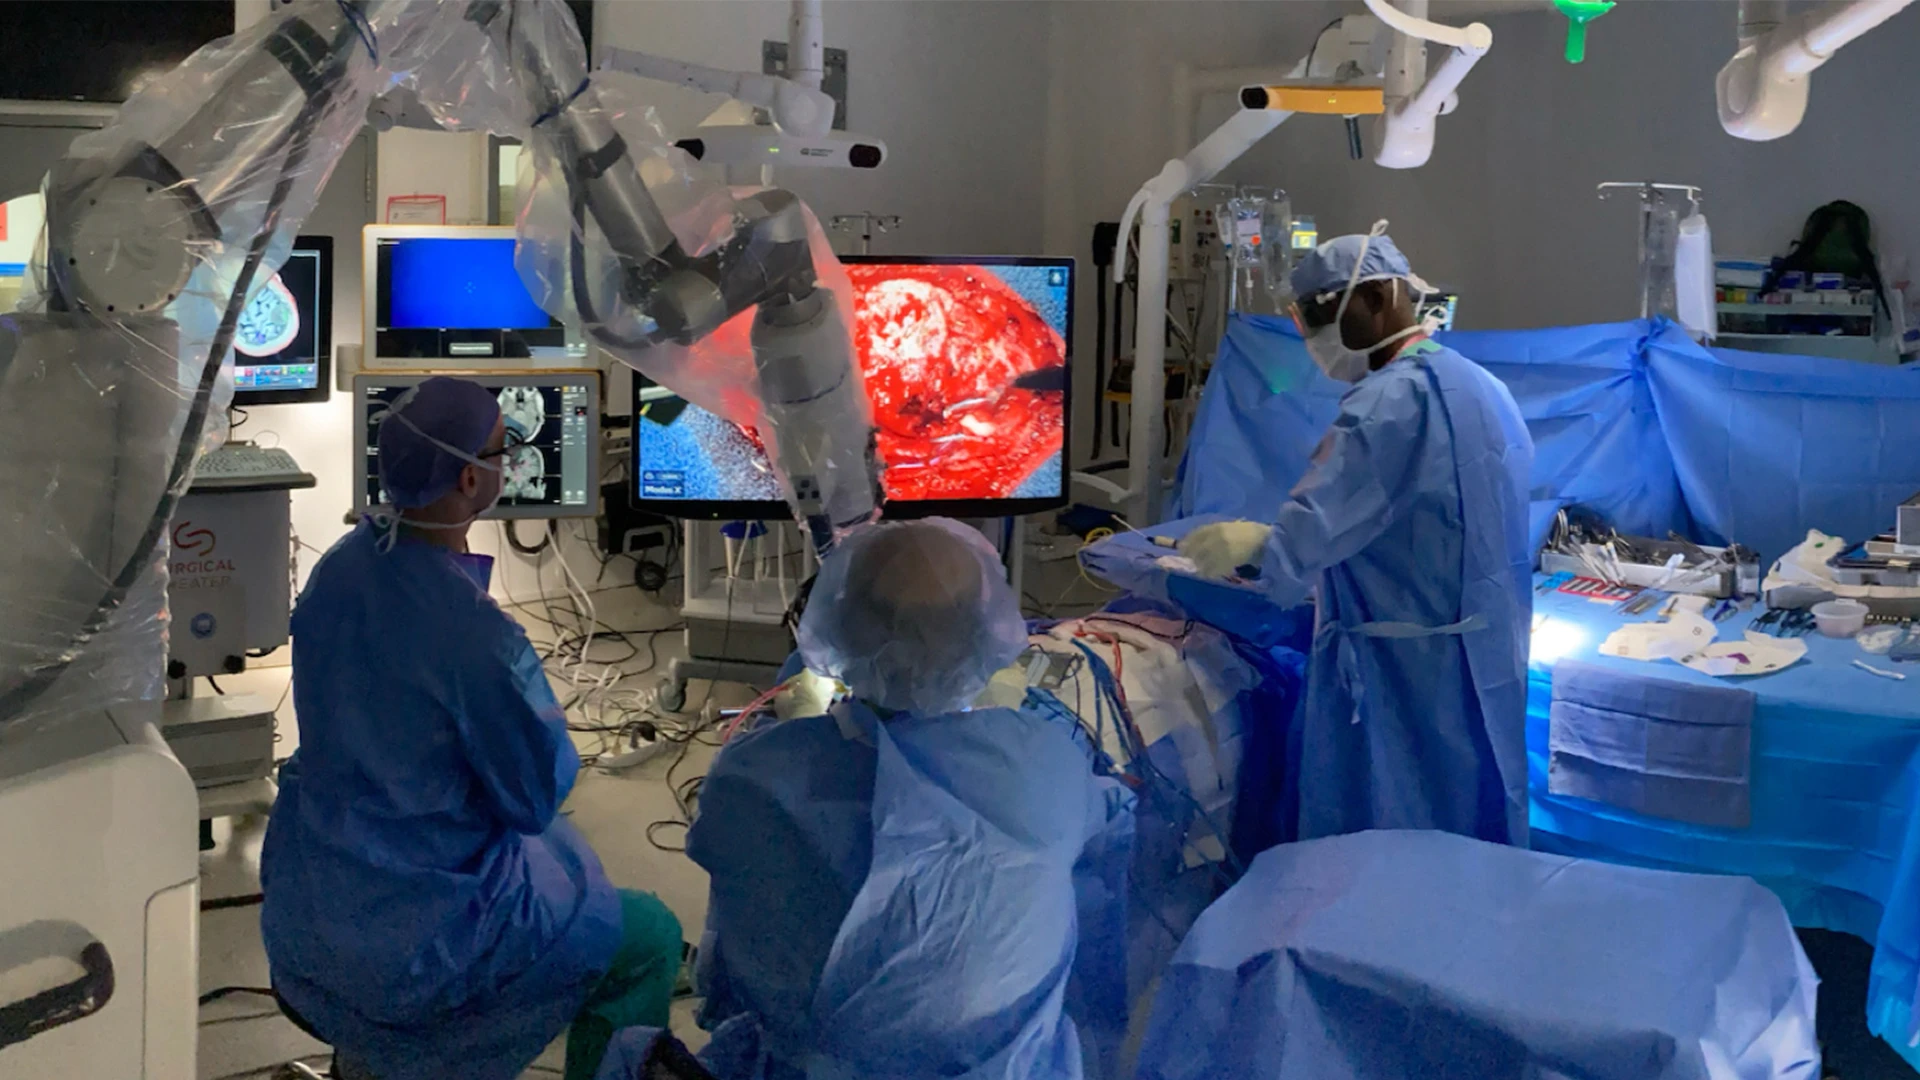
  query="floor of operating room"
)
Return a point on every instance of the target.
[{"x": 242, "y": 1036}]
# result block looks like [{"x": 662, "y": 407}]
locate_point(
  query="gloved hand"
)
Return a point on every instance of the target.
[
  {"x": 1218, "y": 550},
  {"x": 806, "y": 694}
]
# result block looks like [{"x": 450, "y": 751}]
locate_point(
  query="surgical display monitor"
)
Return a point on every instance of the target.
[
  {"x": 452, "y": 294},
  {"x": 283, "y": 343},
  {"x": 550, "y": 469},
  {"x": 967, "y": 362},
  {"x": 1439, "y": 309}
]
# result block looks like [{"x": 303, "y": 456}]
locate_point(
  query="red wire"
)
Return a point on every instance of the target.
[
  {"x": 1119, "y": 675},
  {"x": 749, "y": 710}
]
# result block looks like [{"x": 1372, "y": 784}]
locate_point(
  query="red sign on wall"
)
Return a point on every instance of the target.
[{"x": 3, "y": 222}]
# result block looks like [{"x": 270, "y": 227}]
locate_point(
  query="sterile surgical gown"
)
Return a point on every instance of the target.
[
  {"x": 426, "y": 908},
  {"x": 1412, "y": 524},
  {"x": 928, "y": 896}
]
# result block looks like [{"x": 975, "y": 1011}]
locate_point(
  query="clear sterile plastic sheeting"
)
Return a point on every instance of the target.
[
  {"x": 161, "y": 224},
  {"x": 733, "y": 299},
  {"x": 113, "y": 369}
]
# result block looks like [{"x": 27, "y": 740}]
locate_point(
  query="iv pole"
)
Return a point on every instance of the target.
[{"x": 1657, "y": 240}]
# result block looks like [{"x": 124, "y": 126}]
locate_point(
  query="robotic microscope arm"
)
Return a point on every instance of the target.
[
  {"x": 808, "y": 388},
  {"x": 160, "y": 225}
]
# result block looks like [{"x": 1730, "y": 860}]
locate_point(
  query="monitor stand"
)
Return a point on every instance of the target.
[
  {"x": 736, "y": 628},
  {"x": 736, "y": 623}
]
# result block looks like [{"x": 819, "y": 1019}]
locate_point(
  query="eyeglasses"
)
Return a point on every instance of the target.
[{"x": 514, "y": 441}]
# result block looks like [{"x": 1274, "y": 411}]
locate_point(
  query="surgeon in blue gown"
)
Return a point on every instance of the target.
[
  {"x": 1410, "y": 525},
  {"x": 907, "y": 886},
  {"x": 428, "y": 912}
]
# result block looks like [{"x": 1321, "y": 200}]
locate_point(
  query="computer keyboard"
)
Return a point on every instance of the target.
[{"x": 244, "y": 465}]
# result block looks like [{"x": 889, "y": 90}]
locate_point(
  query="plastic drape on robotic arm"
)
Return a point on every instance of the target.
[
  {"x": 163, "y": 224},
  {"x": 732, "y": 299},
  {"x": 718, "y": 372},
  {"x": 116, "y": 366}
]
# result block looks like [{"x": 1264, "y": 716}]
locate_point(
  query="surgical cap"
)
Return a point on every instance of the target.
[
  {"x": 414, "y": 470},
  {"x": 913, "y": 616},
  {"x": 1329, "y": 267}
]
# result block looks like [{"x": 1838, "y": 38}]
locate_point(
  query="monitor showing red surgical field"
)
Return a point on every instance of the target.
[{"x": 966, "y": 363}]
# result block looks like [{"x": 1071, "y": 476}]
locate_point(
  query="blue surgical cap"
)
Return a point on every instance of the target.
[
  {"x": 1329, "y": 267},
  {"x": 414, "y": 470},
  {"x": 913, "y": 616}
]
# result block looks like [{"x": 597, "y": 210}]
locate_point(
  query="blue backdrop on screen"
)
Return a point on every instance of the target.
[
  {"x": 458, "y": 284},
  {"x": 1632, "y": 419}
]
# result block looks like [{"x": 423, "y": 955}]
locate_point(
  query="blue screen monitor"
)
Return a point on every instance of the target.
[
  {"x": 966, "y": 362},
  {"x": 454, "y": 294},
  {"x": 283, "y": 343}
]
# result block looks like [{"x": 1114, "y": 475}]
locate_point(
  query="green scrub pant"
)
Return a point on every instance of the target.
[{"x": 638, "y": 987}]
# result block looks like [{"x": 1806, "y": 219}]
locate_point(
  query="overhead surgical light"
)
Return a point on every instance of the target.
[
  {"x": 1762, "y": 92},
  {"x": 1315, "y": 98},
  {"x": 1415, "y": 100}
]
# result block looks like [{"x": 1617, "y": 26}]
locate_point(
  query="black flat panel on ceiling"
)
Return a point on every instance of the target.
[{"x": 100, "y": 50}]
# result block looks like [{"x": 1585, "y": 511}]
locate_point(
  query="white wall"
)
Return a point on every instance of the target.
[{"x": 447, "y": 164}]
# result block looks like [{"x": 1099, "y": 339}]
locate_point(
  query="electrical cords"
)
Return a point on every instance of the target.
[
  {"x": 1112, "y": 695},
  {"x": 228, "y": 991},
  {"x": 513, "y": 539}
]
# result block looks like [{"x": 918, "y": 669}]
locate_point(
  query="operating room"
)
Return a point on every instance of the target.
[{"x": 612, "y": 538}]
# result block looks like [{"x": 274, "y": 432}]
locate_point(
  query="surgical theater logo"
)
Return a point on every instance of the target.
[
  {"x": 190, "y": 539},
  {"x": 193, "y": 561}
]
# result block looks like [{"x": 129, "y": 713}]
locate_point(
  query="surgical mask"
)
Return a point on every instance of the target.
[{"x": 1328, "y": 345}]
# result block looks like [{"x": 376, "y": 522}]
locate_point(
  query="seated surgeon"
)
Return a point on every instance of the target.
[
  {"x": 427, "y": 910},
  {"x": 1411, "y": 525},
  {"x": 894, "y": 886}
]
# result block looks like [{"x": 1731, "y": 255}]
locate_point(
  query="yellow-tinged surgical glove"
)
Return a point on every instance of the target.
[
  {"x": 806, "y": 694},
  {"x": 1006, "y": 690},
  {"x": 1218, "y": 549}
]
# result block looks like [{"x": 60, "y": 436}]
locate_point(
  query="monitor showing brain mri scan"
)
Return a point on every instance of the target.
[{"x": 552, "y": 425}]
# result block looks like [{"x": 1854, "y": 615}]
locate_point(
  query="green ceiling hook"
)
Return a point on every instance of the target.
[{"x": 1579, "y": 13}]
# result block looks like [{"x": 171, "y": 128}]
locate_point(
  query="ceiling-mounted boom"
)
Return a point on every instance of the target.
[{"x": 1762, "y": 92}]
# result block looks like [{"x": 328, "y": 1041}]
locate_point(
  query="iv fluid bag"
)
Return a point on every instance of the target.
[{"x": 1255, "y": 222}]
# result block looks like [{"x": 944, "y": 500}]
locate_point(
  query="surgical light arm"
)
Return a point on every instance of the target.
[
  {"x": 1405, "y": 130},
  {"x": 1152, "y": 205},
  {"x": 802, "y": 135},
  {"x": 1762, "y": 92},
  {"x": 799, "y": 109}
]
